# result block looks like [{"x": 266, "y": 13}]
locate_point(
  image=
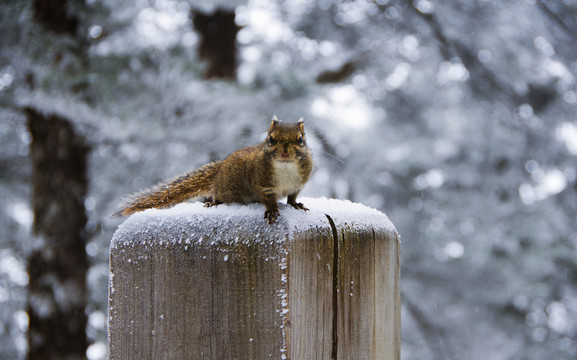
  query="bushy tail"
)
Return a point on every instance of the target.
[{"x": 180, "y": 189}]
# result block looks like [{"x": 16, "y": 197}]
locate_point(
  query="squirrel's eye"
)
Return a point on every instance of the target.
[
  {"x": 271, "y": 140},
  {"x": 301, "y": 141}
]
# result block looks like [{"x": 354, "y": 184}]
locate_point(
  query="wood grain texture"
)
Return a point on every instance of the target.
[
  {"x": 310, "y": 295},
  {"x": 172, "y": 303},
  {"x": 227, "y": 289},
  {"x": 368, "y": 291}
]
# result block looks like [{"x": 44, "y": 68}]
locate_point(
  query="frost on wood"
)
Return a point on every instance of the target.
[
  {"x": 192, "y": 222},
  {"x": 221, "y": 283}
]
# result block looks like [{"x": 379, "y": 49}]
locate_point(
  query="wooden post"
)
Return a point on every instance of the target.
[{"x": 220, "y": 283}]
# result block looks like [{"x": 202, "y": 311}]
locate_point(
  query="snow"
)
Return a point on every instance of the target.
[
  {"x": 192, "y": 222},
  {"x": 230, "y": 224},
  {"x": 443, "y": 134},
  {"x": 81, "y": 115}
]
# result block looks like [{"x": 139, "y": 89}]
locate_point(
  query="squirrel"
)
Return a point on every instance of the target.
[{"x": 278, "y": 167}]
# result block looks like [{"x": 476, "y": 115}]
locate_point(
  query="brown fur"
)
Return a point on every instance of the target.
[
  {"x": 180, "y": 189},
  {"x": 278, "y": 167}
]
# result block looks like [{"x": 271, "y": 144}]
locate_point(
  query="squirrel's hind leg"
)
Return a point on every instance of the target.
[{"x": 211, "y": 203}]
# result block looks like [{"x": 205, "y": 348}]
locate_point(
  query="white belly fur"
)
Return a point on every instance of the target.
[{"x": 287, "y": 178}]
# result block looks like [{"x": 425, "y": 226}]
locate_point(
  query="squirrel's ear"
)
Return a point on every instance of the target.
[
  {"x": 301, "y": 124},
  {"x": 273, "y": 122}
]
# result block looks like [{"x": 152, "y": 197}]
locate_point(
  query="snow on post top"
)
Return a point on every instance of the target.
[{"x": 191, "y": 222}]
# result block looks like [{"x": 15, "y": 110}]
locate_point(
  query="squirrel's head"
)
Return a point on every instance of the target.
[{"x": 286, "y": 141}]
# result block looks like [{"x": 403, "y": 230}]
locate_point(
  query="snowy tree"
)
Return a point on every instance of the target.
[
  {"x": 57, "y": 262},
  {"x": 453, "y": 117}
]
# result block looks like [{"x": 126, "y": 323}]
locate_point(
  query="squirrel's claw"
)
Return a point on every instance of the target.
[
  {"x": 298, "y": 206},
  {"x": 271, "y": 215},
  {"x": 211, "y": 203}
]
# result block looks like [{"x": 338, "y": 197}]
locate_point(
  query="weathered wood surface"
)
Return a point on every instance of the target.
[{"x": 197, "y": 283}]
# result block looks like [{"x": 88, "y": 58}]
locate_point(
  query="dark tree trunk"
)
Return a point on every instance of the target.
[
  {"x": 56, "y": 15},
  {"x": 63, "y": 18},
  {"x": 217, "y": 42},
  {"x": 57, "y": 264}
]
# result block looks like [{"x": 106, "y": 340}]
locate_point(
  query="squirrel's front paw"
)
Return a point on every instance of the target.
[
  {"x": 271, "y": 215},
  {"x": 297, "y": 206}
]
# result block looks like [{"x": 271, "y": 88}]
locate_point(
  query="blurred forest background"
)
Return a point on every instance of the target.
[{"x": 455, "y": 118}]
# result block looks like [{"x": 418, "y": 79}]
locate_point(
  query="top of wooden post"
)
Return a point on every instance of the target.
[
  {"x": 177, "y": 222},
  {"x": 222, "y": 283}
]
